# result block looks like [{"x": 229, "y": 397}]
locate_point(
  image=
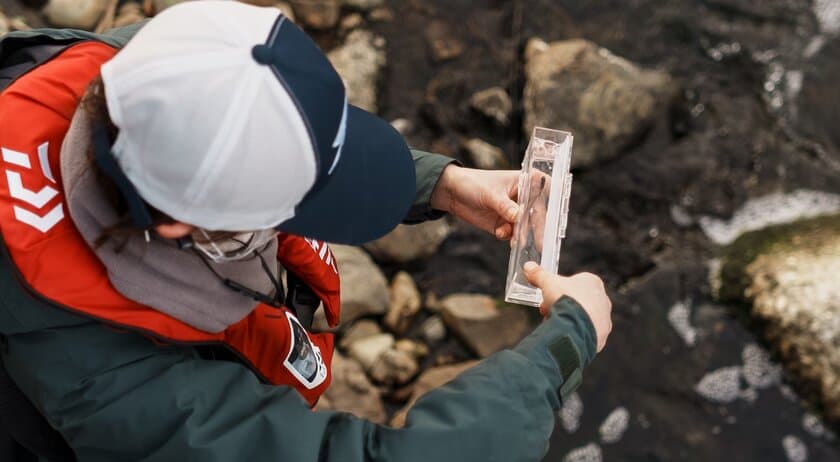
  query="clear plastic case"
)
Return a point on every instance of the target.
[{"x": 544, "y": 187}]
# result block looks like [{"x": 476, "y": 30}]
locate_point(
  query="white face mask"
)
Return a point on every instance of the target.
[{"x": 237, "y": 247}]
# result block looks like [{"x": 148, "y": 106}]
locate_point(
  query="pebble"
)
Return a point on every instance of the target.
[
  {"x": 494, "y": 103},
  {"x": 76, "y": 14},
  {"x": 589, "y": 453},
  {"x": 795, "y": 449},
  {"x": 571, "y": 413},
  {"x": 360, "y": 329},
  {"x": 368, "y": 350},
  {"x": 484, "y": 155},
  {"x": 680, "y": 318},
  {"x": 721, "y": 386},
  {"x": 433, "y": 329},
  {"x": 614, "y": 425},
  {"x": 759, "y": 371}
]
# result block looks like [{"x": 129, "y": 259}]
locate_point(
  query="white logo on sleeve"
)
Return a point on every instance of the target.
[{"x": 37, "y": 199}]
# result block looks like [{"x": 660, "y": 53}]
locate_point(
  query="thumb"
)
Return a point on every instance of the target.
[
  {"x": 505, "y": 207},
  {"x": 536, "y": 275}
]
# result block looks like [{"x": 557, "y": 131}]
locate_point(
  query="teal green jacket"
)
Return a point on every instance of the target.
[{"x": 118, "y": 396}]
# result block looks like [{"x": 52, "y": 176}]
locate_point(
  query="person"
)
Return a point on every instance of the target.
[{"x": 160, "y": 180}]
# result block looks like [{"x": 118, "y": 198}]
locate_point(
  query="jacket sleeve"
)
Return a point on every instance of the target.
[
  {"x": 117, "y": 396},
  {"x": 428, "y": 167}
]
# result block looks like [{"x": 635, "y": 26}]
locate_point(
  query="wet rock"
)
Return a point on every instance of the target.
[
  {"x": 360, "y": 329},
  {"x": 359, "y": 62},
  {"x": 368, "y": 350},
  {"x": 442, "y": 41},
  {"x": 789, "y": 275},
  {"x": 484, "y": 155},
  {"x": 607, "y": 101},
  {"x": 351, "y": 391},
  {"x": 76, "y": 14},
  {"x": 433, "y": 329},
  {"x": 494, "y": 103},
  {"x": 405, "y": 303},
  {"x": 364, "y": 289},
  {"x": 410, "y": 242},
  {"x": 317, "y": 14},
  {"x": 364, "y": 5},
  {"x": 129, "y": 13},
  {"x": 394, "y": 367},
  {"x": 484, "y": 328},
  {"x": 429, "y": 380}
]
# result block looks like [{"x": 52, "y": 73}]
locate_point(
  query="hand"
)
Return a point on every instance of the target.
[
  {"x": 586, "y": 288},
  {"x": 485, "y": 199}
]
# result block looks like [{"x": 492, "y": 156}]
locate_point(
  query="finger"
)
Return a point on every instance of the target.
[
  {"x": 504, "y": 231},
  {"x": 537, "y": 276}
]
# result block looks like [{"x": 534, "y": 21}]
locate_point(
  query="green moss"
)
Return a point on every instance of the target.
[{"x": 737, "y": 256}]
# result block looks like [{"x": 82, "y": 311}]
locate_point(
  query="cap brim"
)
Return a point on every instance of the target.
[{"x": 369, "y": 192}]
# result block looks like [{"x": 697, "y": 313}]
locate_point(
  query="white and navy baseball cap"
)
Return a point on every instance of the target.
[{"x": 231, "y": 118}]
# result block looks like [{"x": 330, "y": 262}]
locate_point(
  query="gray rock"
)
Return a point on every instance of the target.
[
  {"x": 368, "y": 350},
  {"x": 571, "y": 412},
  {"x": 605, "y": 100},
  {"x": 359, "y": 62},
  {"x": 484, "y": 328},
  {"x": 410, "y": 242},
  {"x": 429, "y": 380},
  {"x": 433, "y": 329},
  {"x": 76, "y": 14},
  {"x": 494, "y": 103},
  {"x": 589, "y": 453},
  {"x": 364, "y": 5},
  {"x": 484, "y": 155},
  {"x": 405, "y": 303},
  {"x": 614, "y": 426},
  {"x": 442, "y": 41},
  {"x": 351, "y": 391},
  {"x": 364, "y": 289},
  {"x": 789, "y": 275},
  {"x": 317, "y": 14},
  {"x": 795, "y": 449},
  {"x": 394, "y": 367},
  {"x": 722, "y": 385},
  {"x": 360, "y": 329}
]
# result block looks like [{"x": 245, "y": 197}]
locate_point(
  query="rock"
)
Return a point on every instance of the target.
[
  {"x": 494, "y": 103},
  {"x": 287, "y": 10},
  {"x": 360, "y": 329},
  {"x": 614, "y": 426},
  {"x": 368, "y": 350},
  {"x": 410, "y": 242},
  {"x": 404, "y": 126},
  {"x": 608, "y": 102},
  {"x": 153, "y": 7},
  {"x": 442, "y": 41},
  {"x": 484, "y": 155},
  {"x": 364, "y": 289},
  {"x": 417, "y": 350},
  {"x": 589, "y": 453},
  {"x": 317, "y": 14},
  {"x": 359, "y": 62},
  {"x": 351, "y": 22},
  {"x": 18, "y": 23},
  {"x": 364, "y": 5},
  {"x": 129, "y": 13},
  {"x": 4, "y": 24},
  {"x": 789, "y": 275},
  {"x": 429, "y": 380},
  {"x": 571, "y": 412},
  {"x": 76, "y": 14},
  {"x": 433, "y": 329},
  {"x": 381, "y": 15},
  {"x": 394, "y": 367},
  {"x": 484, "y": 328},
  {"x": 405, "y": 303},
  {"x": 432, "y": 302},
  {"x": 351, "y": 391}
]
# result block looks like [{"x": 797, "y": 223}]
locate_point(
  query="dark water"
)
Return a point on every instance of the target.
[{"x": 740, "y": 131}]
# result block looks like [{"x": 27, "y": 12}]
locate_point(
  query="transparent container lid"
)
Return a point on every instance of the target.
[{"x": 544, "y": 187}]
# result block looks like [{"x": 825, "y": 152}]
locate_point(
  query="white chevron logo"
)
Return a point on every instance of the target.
[{"x": 37, "y": 199}]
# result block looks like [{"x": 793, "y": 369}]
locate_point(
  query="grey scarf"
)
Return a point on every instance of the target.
[{"x": 157, "y": 274}]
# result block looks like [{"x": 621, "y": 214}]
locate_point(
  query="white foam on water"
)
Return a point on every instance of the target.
[
  {"x": 614, "y": 425},
  {"x": 589, "y": 453},
  {"x": 680, "y": 318},
  {"x": 571, "y": 413},
  {"x": 759, "y": 370},
  {"x": 828, "y": 15},
  {"x": 773, "y": 209},
  {"x": 795, "y": 449}
]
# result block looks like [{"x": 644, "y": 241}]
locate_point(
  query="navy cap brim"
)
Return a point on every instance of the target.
[{"x": 369, "y": 192}]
